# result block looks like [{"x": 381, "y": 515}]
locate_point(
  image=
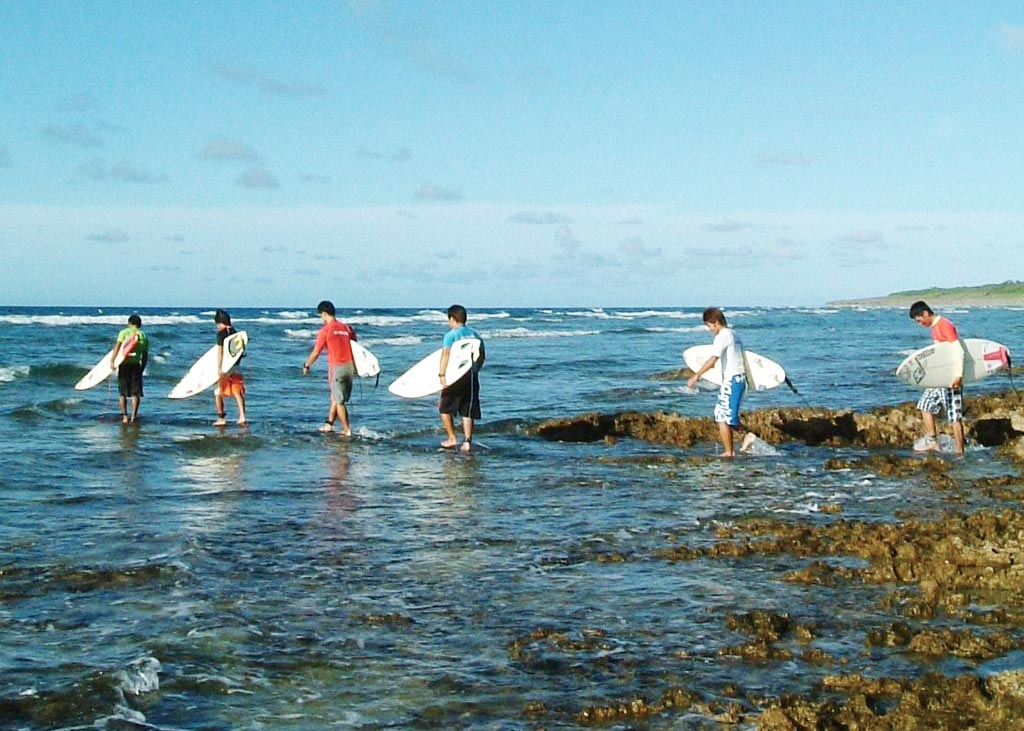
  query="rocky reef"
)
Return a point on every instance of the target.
[
  {"x": 991, "y": 420},
  {"x": 952, "y": 586}
]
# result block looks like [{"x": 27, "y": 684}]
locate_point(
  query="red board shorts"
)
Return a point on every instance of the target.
[{"x": 231, "y": 384}]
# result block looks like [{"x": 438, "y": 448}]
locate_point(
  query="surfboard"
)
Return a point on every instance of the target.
[
  {"x": 762, "y": 373},
  {"x": 934, "y": 365},
  {"x": 203, "y": 373},
  {"x": 102, "y": 370},
  {"x": 366, "y": 362},
  {"x": 421, "y": 380}
]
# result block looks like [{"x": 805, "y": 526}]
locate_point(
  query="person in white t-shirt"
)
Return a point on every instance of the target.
[{"x": 729, "y": 353}]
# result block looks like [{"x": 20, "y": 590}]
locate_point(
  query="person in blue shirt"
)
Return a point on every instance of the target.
[{"x": 463, "y": 396}]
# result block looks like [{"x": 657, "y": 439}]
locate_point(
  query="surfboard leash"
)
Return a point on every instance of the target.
[{"x": 793, "y": 389}]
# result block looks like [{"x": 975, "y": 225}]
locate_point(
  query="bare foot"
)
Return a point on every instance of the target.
[
  {"x": 327, "y": 427},
  {"x": 449, "y": 444},
  {"x": 467, "y": 447},
  {"x": 748, "y": 441},
  {"x": 220, "y": 422},
  {"x": 347, "y": 433},
  {"x": 243, "y": 422}
]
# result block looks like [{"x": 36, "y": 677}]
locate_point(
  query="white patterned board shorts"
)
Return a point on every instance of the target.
[
  {"x": 727, "y": 410},
  {"x": 934, "y": 400}
]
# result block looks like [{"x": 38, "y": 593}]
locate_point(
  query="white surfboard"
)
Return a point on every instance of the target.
[
  {"x": 935, "y": 365},
  {"x": 203, "y": 374},
  {"x": 762, "y": 373},
  {"x": 422, "y": 380},
  {"x": 366, "y": 362},
  {"x": 102, "y": 370}
]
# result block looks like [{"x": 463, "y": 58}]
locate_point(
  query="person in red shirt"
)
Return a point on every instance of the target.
[
  {"x": 337, "y": 337},
  {"x": 933, "y": 400}
]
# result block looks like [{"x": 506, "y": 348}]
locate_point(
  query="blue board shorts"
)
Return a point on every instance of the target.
[{"x": 727, "y": 410}]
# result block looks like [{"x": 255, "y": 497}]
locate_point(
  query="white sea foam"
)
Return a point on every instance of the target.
[
  {"x": 9, "y": 375},
  {"x": 522, "y": 332},
  {"x": 142, "y": 676},
  {"x": 299, "y": 334},
  {"x": 401, "y": 340},
  {"x": 113, "y": 320},
  {"x": 690, "y": 329},
  {"x": 293, "y": 314}
]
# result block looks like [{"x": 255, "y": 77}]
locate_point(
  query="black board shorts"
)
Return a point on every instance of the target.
[
  {"x": 462, "y": 397},
  {"x": 129, "y": 379}
]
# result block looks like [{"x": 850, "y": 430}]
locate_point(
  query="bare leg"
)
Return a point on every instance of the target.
[
  {"x": 135, "y": 408},
  {"x": 218, "y": 402},
  {"x": 240, "y": 400},
  {"x": 342, "y": 411},
  {"x": 448, "y": 422},
  {"x": 123, "y": 403},
  {"x": 725, "y": 432},
  {"x": 930, "y": 430},
  {"x": 467, "y": 433},
  {"x": 958, "y": 433}
]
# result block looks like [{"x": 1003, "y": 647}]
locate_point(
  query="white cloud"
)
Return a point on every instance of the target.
[
  {"x": 269, "y": 85},
  {"x": 122, "y": 171},
  {"x": 729, "y": 226},
  {"x": 257, "y": 178},
  {"x": 431, "y": 192},
  {"x": 110, "y": 236},
  {"x": 219, "y": 148},
  {"x": 539, "y": 218},
  {"x": 1013, "y": 37},
  {"x": 78, "y": 135},
  {"x": 636, "y": 248},
  {"x": 402, "y": 154}
]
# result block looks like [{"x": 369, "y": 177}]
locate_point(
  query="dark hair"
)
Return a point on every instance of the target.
[
  {"x": 713, "y": 314},
  {"x": 221, "y": 317},
  {"x": 135, "y": 320},
  {"x": 458, "y": 313},
  {"x": 920, "y": 308},
  {"x": 325, "y": 306}
]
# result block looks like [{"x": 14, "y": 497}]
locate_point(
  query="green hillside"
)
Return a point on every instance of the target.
[{"x": 1008, "y": 293}]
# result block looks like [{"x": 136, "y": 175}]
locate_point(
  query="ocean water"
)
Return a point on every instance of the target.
[{"x": 172, "y": 575}]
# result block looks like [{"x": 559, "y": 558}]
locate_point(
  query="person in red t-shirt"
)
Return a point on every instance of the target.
[
  {"x": 933, "y": 400},
  {"x": 337, "y": 337}
]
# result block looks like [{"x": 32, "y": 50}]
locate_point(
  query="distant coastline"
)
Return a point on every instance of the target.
[{"x": 1007, "y": 294}]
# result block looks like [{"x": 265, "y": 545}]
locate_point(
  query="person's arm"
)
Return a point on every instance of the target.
[
  {"x": 958, "y": 366},
  {"x": 708, "y": 365},
  {"x": 220, "y": 359},
  {"x": 446, "y": 354},
  {"x": 310, "y": 360},
  {"x": 113, "y": 353}
]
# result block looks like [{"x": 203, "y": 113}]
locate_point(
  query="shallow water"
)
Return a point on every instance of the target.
[{"x": 188, "y": 578}]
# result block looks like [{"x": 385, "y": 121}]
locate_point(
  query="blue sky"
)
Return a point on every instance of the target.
[{"x": 506, "y": 153}]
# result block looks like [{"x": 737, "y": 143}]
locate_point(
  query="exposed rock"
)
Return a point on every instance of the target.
[{"x": 991, "y": 420}]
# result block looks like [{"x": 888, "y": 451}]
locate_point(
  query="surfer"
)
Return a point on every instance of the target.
[
  {"x": 729, "y": 350},
  {"x": 129, "y": 373},
  {"x": 463, "y": 396},
  {"x": 231, "y": 383},
  {"x": 337, "y": 337},
  {"x": 933, "y": 400}
]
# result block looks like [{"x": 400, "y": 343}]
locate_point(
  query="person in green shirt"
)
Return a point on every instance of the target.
[{"x": 129, "y": 373}]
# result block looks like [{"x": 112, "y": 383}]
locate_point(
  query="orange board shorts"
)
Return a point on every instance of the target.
[{"x": 231, "y": 384}]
